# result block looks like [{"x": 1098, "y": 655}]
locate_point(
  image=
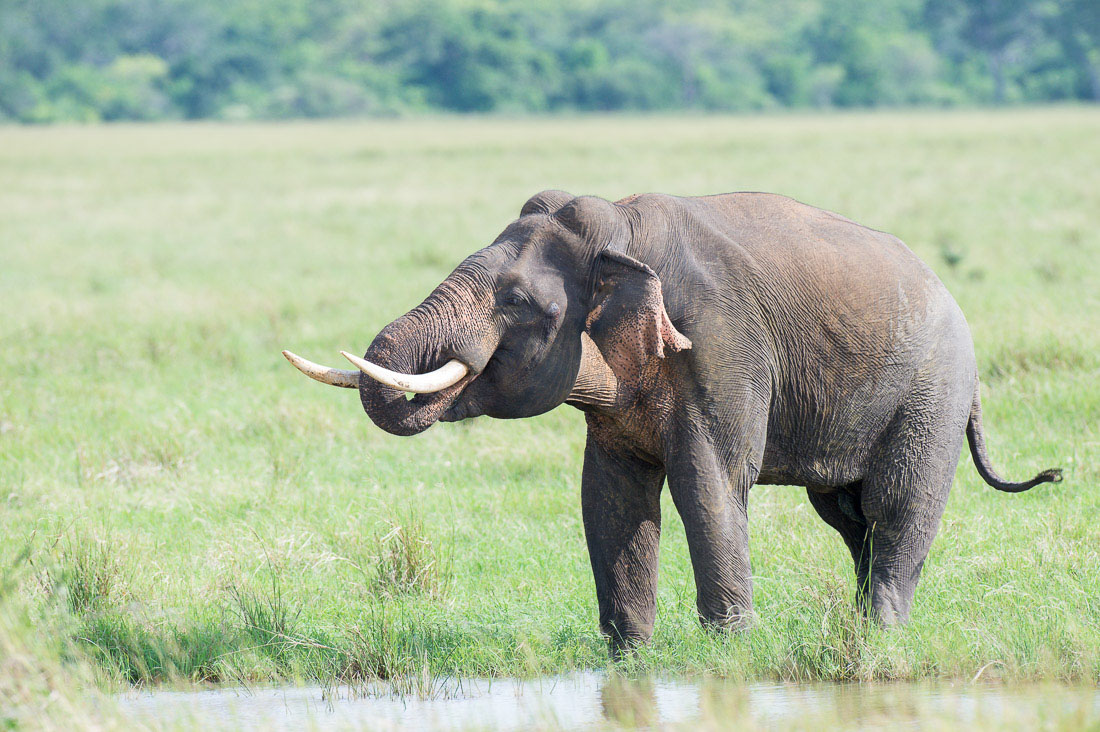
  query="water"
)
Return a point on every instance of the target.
[{"x": 588, "y": 700}]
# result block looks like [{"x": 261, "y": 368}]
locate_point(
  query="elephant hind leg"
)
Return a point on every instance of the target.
[
  {"x": 841, "y": 509},
  {"x": 903, "y": 499},
  {"x": 897, "y": 548}
]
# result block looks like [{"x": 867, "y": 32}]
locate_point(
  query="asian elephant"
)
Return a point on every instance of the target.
[{"x": 715, "y": 342}]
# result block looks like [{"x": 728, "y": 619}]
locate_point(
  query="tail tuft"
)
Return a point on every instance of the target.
[{"x": 1054, "y": 475}]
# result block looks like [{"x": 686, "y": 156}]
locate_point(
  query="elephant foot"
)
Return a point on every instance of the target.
[
  {"x": 624, "y": 649},
  {"x": 625, "y": 637},
  {"x": 887, "y": 606},
  {"x": 882, "y": 604},
  {"x": 734, "y": 618}
]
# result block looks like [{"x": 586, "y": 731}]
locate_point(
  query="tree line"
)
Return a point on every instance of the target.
[{"x": 91, "y": 60}]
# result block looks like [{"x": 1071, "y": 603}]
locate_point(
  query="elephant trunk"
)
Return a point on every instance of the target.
[{"x": 450, "y": 325}]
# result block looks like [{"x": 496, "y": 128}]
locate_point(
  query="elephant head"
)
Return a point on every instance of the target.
[{"x": 554, "y": 310}]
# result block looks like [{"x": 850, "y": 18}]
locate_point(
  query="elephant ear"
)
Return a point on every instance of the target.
[
  {"x": 546, "y": 202},
  {"x": 628, "y": 321}
]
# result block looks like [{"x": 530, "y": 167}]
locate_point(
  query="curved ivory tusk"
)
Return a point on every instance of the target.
[
  {"x": 336, "y": 377},
  {"x": 446, "y": 375}
]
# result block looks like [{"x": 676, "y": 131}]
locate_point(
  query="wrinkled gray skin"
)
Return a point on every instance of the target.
[{"x": 716, "y": 343}]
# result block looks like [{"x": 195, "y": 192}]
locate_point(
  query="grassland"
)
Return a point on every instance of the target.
[{"x": 177, "y": 504}]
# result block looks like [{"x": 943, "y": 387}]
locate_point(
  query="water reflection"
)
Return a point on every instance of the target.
[
  {"x": 589, "y": 700},
  {"x": 631, "y": 702}
]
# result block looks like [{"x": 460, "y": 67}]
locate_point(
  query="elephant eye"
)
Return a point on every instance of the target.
[{"x": 513, "y": 298}]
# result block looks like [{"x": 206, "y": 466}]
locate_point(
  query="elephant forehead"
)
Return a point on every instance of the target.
[
  {"x": 521, "y": 232},
  {"x": 529, "y": 243}
]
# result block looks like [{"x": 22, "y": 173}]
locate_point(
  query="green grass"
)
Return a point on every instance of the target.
[{"x": 197, "y": 510}]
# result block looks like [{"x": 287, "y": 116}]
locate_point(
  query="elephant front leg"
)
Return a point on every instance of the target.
[
  {"x": 714, "y": 510},
  {"x": 621, "y": 504}
]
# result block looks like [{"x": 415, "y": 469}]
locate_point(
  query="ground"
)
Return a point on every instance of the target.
[{"x": 180, "y": 504}]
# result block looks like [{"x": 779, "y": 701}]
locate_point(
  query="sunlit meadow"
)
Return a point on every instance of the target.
[{"x": 178, "y": 504}]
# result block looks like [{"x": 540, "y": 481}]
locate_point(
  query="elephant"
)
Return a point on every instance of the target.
[{"x": 716, "y": 343}]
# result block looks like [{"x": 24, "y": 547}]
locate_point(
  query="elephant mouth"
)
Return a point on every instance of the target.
[
  {"x": 459, "y": 411},
  {"x": 459, "y": 407},
  {"x": 446, "y": 398},
  {"x": 466, "y": 405}
]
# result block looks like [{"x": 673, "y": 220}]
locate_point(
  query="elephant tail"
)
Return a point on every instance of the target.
[{"x": 976, "y": 437}]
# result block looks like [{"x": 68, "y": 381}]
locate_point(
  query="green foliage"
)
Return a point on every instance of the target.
[{"x": 140, "y": 59}]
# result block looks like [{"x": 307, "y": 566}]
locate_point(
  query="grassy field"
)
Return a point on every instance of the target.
[{"x": 177, "y": 503}]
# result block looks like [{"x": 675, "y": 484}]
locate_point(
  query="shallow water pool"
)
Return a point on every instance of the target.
[{"x": 589, "y": 700}]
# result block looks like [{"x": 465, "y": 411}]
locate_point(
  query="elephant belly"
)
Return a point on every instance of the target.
[
  {"x": 824, "y": 471},
  {"x": 829, "y": 440}
]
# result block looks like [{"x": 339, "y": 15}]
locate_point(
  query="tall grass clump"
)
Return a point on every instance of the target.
[
  {"x": 271, "y": 641},
  {"x": 829, "y": 637},
  {"x": 264, "y": 613},
  {"x": 408, "y": 562},
  {"x": 85, "y": 571}
]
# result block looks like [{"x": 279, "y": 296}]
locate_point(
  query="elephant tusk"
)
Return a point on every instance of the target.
[
  {"x": 446, "y": 375},
  {"x": 336, "y": 377}
]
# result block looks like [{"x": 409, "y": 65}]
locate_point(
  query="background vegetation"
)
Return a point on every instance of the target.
[
  {"x": 196, "y": 59},
  {"x": 177, "y": 503}
]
